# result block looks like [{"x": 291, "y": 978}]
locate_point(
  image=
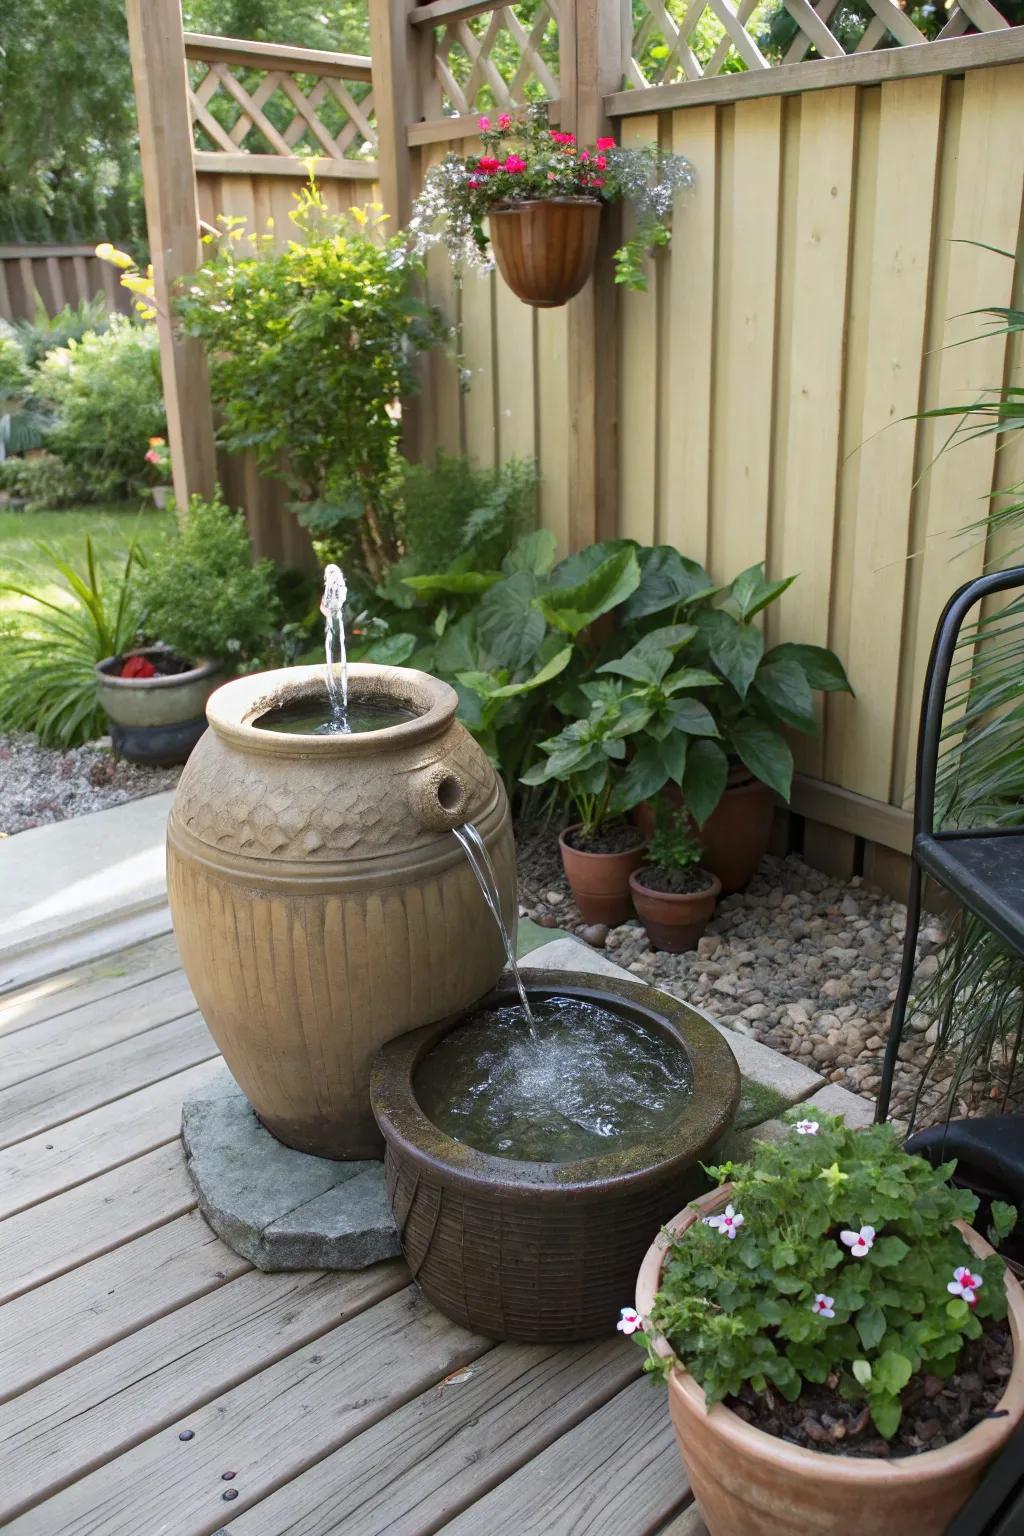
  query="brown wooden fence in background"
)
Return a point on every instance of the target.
[{"x": 56, "y": 274}]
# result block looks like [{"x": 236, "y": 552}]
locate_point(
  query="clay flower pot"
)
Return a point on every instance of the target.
[
  {"x": 600, "y": 881},
  {"x": 540, "y": 1251},
  {"x": 545, "y": 249},
  {"x": 749, "y": 1483},
  {"x": 674, "y": 920},
  {"x": 156, "y": 720},
  {"x": 736, "y": 834}
]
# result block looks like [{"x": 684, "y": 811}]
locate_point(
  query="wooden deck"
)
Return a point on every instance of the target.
[{"x": 340, "y": 1405}]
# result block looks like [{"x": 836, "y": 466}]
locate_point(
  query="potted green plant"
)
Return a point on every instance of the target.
[
  {"x": 205, "y": 611},
  {"x": 541, "y": 195},
  {"x": 834, "y": 1337},
  {"x": 673, "y": 895},
  {"x": 158, "y": 458}
]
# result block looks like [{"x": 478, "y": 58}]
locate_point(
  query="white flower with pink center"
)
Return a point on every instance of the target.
[
  {"x": 859, "y": 1243},
  {"x": 727, "y": 1221},
  {"x": 630, "y": 1321},
  {"x": 807, "y": 1127},
  {"x": 965, "y": 1285},
  {"x": 823, "y": 1306}
]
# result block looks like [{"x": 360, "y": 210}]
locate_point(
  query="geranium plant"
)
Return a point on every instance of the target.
[
  {"x": 523, "y": 160},
  {"x": 158, "y": 458},
  {"x": 835, "y": 1263}
]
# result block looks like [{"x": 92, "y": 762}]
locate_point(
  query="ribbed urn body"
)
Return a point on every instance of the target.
[{"x": 321, "y": 902}]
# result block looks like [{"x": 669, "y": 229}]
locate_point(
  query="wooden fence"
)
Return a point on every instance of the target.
[
  {"x": 752, "y": 404},
  {"x": 56, "y": 274}
]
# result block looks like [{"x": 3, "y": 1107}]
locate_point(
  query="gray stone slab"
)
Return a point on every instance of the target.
[
  {"x": 840, "y": 1101},
  {"x": 279, "y": 1208}
]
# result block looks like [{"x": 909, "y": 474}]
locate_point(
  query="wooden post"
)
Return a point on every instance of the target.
[
  {"x": 590, "y": 54},
  {"x": 398, "y": 51},
  {"x": 172, "y": 216}
]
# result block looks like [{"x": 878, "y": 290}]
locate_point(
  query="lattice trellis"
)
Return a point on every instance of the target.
[
  {"x": 238, "y": 108},
  {"x": 499, "y": 59},
  {"x": 690, "y": 39}
]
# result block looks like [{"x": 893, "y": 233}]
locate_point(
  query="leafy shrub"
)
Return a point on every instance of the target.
[
  {"x": 452, "y": 510},
  {"x": 310, "y": 348},
  {"x": 839, "y": 1259},
  {"x": 47, "y": 682},
  {"x": 22, "y": 420},
  {"x": 204, "y": 597},
  {"x": 44, "y": 331},
  {"x": 107, "y": 395},
  {"x": 673, "y": 845},
  {"x": 43, "y": 481}
]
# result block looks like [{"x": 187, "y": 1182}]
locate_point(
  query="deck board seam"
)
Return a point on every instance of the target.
[
  {"x": 8, "y": 999},
  {"x": 18, "y": 1082}
]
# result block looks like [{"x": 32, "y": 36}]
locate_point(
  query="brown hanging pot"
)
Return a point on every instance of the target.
[{"x": 545, "y": 249}]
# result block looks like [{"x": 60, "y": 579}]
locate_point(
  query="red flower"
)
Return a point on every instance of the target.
[
  {"x": 488, "y": 165},
  {"x": 513, "y": 164},
  {"x": 474, "y": 182},
  {"x": 562, "y": 138},
  {"x": 595, "y": 181},
  {"x": 606, "y": 143},
  {"x": 138, "y": 666},
  {"x": 601, "y": 161},
  {"x": 504, "y": 121}
]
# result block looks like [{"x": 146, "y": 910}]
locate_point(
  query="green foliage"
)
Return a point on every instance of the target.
[
  {"x": 204, "y": 597},
  {"x": 452, "y": 512},
  {"x": 310, "y": 347},
  {"x": 106, "y": 393},
  {"x": 21, "y": 421},
  {"x": 47, "y": 682},
  {"x": 44, "y": 331},
  {"x": 672, "y": 844},
  {"x": 744, "y": 1309},
  {"x": 42, "y": 481}
]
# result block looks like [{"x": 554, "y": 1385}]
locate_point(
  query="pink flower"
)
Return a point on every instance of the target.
[
  {"x": 474, "y": 182},
  {"x": 859, "y": 1243},
  {"x": 630, "y": 1321},
  {"x": 823, "y": 1306},
  {"x": 606, "y": 143},
  {"x": 601, "y": 161},
  {"x": 488, "y": 165},
  {"x": 152, "y": 457},
  {"x": 504, "y": 121},
  {"x": 513, "y": 164},
  {"x": 595, "y": 181},
  {"x": 727, "y": 1222},
  {"x": 562, "y": 138},
  {"x": 584, "y": 154},
  {"x": 484, "y": 125},
  {"x": 807, "y": 1127},
  {"x": 964, "y": 1284}
]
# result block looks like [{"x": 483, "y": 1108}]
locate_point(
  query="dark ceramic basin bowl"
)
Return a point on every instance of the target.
[{"x": 544, "y": 1252}]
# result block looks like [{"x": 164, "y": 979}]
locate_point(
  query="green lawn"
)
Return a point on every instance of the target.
[{"x": 111, "y": 528}]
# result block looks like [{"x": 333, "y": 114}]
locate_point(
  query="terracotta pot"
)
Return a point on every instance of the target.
[
  {"x": 736, "y": 834},
  {"x": 674, "y": 920},
  {"x": 749, "y": 1483},
  {"x": 319, "y": 900},
  {"x": 545, "y": 250},
  {"x": 156, "y": 720},
  {"x": 600, "y": 881},
  {"x": 542, "y": 1251}
]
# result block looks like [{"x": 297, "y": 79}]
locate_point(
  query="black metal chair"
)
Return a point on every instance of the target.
[{"x": 982, "y": 867}]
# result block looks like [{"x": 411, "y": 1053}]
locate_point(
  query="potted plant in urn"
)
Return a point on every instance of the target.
[
  {"x": 205, "y": 611},
  {"x": 541, "y": 195},
  {"x": 840, "y": 1346},
  {"x": 158, "y": 458},
  {"x": 673, "y": 894}
]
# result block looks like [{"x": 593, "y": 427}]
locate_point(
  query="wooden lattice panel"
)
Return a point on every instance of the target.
[
  {"x": 691, "y": 39},
  {"x": 498, "y": 59},
  {"x": 238, "y": 108}
]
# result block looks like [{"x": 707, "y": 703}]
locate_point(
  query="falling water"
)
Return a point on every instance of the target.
[
  {"x": 332, "y": 606},
  {"x": 480, "y": 862}
]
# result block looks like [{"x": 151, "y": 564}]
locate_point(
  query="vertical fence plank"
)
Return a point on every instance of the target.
[
  {"x": 478, "y": 358},
  {"x": 553, "y": 424},
  {"x": 638, "y": 382},
  {"x": 517, "y": 422}
]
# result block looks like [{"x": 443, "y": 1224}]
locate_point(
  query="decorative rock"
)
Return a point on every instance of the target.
[
  {"x": 281, "y": 1209},
  {"x": 708, "y": 947},
  {"x": 595, "y": 934},
  {"x": 554, "y": 898},
  {"x": 547, "y": 920}
]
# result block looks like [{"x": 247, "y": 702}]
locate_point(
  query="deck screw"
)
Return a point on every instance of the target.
[
  {"x": 227, "y": 1476},
  {"x": 230, "y": 1493},
  {"x": 187, "y": 1434}
]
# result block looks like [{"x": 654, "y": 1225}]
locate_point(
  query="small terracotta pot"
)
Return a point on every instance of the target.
[
  {"x": 674, "y": 920},
  {"x": 749, "y": 1483},
  {"x": 736, "y": 834},
  {"x": 545, "y": 249},
  {"x": 600, "y": 881}
]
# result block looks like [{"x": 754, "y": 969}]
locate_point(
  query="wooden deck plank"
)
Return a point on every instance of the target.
[
  {"x": 79, "y": 1086},
  {"x": 424, "y": 1464},
  {"x": 102, "y": 1407},
  {"x": 104, "y": 977},
  {"x": 107, "y": 1299},
  {"x": 91, "y": 1026},
  {"x": 69, "y": 1154},
  {"x": 266, "y": 1430},
  {"x": 53, "y": 1237},
  {"x": 687, "y": 1523},
  {"x": 617, "y": 1473}
]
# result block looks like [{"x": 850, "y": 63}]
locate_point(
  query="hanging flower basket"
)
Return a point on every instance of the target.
[{"x": 536, "y": 195}]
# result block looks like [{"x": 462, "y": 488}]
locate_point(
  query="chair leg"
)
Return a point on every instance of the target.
[{"x": 899, "y": 1009}]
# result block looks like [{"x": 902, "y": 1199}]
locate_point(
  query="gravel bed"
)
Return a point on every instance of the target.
[
  {"x": 800, "y": 961},
  {"x": 39, "y": 785}
]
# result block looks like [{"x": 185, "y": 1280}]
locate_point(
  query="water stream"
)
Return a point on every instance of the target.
[
  {"x": 332, "y": 606},
  {"x": 480, "y": 863}
]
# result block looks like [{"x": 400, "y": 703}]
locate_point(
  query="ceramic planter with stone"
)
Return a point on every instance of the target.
[
  {"x": 320, "y": 901},
  {"x": 545, "y": 249},
  {"x": 544, "y": 1251},
  {"x": 156, "y": 720},
  {"x": 600, "y": 881},
  {"x": 674, "y": 920},
  {"x": 750, "y": 1483}
]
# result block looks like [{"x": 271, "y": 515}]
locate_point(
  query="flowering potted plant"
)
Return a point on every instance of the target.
[
  {"x": 834, "y": 1337},
  {"x": 541, "y": 194},
  {"x": 158, "y": 457},
  {"x": 673, "y": 895}
]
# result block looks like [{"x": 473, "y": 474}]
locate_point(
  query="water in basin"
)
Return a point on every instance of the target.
[{"x": 312, "y": 717}]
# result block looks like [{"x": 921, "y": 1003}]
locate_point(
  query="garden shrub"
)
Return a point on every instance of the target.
[
  {"x": 106, "y": 393},
  {"x": 44, "y": 331},
  {"x": 204, "y": 597},
  {"x": 42, "y": 481}
]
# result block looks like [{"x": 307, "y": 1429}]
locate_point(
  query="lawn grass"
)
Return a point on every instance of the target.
[{"x": 111, "y": 528}]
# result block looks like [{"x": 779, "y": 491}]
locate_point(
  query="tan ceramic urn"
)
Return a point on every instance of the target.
[{"x": 320, "y": 901}]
